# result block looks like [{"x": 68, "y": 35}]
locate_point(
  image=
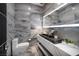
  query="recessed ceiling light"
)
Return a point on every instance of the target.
[
  {"x": 73, "y": 8},
  {"x": 29, "y": 8}
]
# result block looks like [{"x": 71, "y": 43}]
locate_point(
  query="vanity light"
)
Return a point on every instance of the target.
[
  {"x": 65, "y": 25},
  {"x": 55, "y": 9}
]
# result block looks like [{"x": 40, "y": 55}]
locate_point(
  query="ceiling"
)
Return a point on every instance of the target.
[{"x": 39, "y": 4}]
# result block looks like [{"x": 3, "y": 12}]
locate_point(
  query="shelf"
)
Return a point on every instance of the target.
[{"x": 64, "y": 25}]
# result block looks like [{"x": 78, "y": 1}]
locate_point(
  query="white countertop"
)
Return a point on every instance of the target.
[{"x": 71, "y": 49}]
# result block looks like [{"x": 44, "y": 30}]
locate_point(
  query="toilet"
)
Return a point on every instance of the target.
[{"x": 19, "y": 49}]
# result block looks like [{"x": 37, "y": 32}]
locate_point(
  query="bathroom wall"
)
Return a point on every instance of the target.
[
  {"x": 26, "y": 16},
  {"x": 10, "y": 25},
  {"x": 36, "y": 19},
  {"x": 22, "y": 22}
]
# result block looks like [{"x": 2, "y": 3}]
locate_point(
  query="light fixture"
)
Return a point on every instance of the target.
[
  {"x": 73, "y": 8},
  {"x": 29, "y": 39},
  {"x": 66, "y": 25},
  {"x": 29, "y": 8},
  {"x": 55, "y": 9}
]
